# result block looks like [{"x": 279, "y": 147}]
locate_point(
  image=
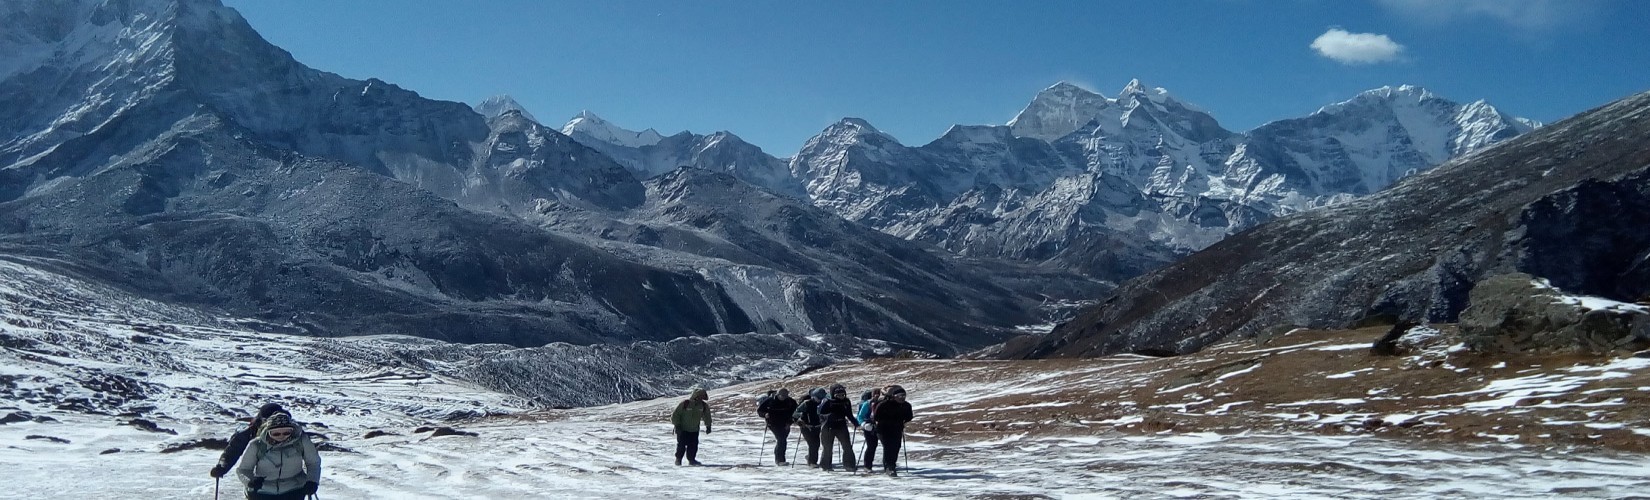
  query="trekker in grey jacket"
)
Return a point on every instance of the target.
[{"x": 281, "y": 464}]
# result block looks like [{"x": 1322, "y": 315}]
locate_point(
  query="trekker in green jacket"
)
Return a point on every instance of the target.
[
  {"x": 281, "y": 464},
  {"x": 686, "y": 419}
]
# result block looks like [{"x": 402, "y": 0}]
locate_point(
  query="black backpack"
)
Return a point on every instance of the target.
[{"x": 762, "y": 403}]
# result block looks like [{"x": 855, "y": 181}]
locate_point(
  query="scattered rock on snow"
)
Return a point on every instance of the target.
[
  {"x": 109, "y": 451},
  {"x": 53, "y": 439},
  {"x": 449, "y": 431},
  {"x": 378, "y": 433},
  {"x": 207, "y": 443},
  {"x": 150, "y": 426}
]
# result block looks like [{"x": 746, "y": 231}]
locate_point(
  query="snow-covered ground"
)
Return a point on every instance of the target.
[
  {"x": 604, "y": 453},
  {"x": 106, "y": 398}
]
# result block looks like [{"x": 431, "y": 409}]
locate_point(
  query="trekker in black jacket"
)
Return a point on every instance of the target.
[
  {"x": 807, "y": 417},
  {"x": 837, "y": 413},
  {"x": 891, "y": 417},
  {"x": 238, "y": 441},
  {"x": 777, "y": 411}
]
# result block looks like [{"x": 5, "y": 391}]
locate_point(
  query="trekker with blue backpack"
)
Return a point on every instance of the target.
[
  {"x": 837, "y": 412},
  {"x": 867, "y": 402}
]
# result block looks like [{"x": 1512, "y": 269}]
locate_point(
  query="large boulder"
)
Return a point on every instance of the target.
[{"x": 1520, "y": 313}]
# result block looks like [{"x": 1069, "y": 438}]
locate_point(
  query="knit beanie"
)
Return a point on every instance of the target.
[{"x": 278, "y": 420}]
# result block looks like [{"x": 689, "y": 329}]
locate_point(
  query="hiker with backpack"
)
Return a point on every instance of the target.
[
  {"x": 807, "y": 417},
  {"x": 867, "y": 402},
  {"x": 281, "y": 463},
  {"x": 685, "y": 419},
  {"x": 777, "y": 411},
  {"x": 837, "y": 412},
  {"x": 239, "y": 440},
  {"x": 891, "y": 416}
]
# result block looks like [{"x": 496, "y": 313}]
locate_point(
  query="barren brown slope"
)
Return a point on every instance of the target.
[{"x": 1302, "y": 382}]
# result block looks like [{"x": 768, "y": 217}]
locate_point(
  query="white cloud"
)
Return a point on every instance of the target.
[
  {"x": 1525, "y": 14},
  {"x": 1356, "y": 48}
]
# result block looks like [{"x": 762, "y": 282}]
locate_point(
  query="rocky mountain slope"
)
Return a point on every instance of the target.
[
  {"x": 1566, "y": 203},
  {"x": 163, "y": 147}
]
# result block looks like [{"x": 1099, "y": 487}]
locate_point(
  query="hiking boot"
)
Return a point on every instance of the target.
[
  {"x": 893, "y": 474},
  {"x": 678, "y": 460},
  {"x": 827, "y": 468},
  {"x": 694, "y": 462},
  {"x": 781, "y": 463}
]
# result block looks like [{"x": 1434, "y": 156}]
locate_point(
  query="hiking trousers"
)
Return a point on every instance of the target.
[
  {"x": 297, "y": 494},
  {"x": 811, "y": 435},
  {"x": 840, "y": 436},
  {"x": 687, "y": 442},
  {"x": 892, "y": 438},
  {"x": 783, "y": 434},
  {"x": 870, "y": 457}
]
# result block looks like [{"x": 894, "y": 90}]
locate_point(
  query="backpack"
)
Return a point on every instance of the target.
[{"x": 762, "y": 403}]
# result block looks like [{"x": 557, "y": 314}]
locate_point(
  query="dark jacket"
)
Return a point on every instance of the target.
[
  {"x": 809, "y": 413},
  {"x": 892, "y": 414},
  {"x": 237, "y": 445},
  {"x": 777, "y": 410},
  {"x": 837, "y": 413}
]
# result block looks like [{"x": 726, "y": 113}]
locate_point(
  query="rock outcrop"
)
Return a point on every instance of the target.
[{"x": 1520, "y": 313}]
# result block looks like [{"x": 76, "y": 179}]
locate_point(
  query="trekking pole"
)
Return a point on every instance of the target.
[
  {"x": 763, "y": 447},
  {"x": 906, "y": 450},
  {"x": 797, "y": 446},
  {"x": 215, "y": 482},
  {"x": 852, "y": 453}
]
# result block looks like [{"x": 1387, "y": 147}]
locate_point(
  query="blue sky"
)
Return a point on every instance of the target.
[{"x": 777, "y": 72}]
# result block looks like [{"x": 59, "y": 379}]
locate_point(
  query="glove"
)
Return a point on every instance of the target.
[
  {"x": 218, "y": 471},
  {"x": 255, "y": 484},
  {"x": 867, "y": 427},
  {"x": 311, "y": 487}
]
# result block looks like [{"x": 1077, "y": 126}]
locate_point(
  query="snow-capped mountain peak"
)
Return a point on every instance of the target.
[
  {"x": 497, "y": 105},
  {"x": 1135, "y": 86},
  {"x": 594, "y": 127},
  {"x": 1058, "y": 110}
]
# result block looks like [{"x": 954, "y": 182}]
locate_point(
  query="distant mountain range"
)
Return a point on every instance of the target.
[{"x": 1110, "y": 187}]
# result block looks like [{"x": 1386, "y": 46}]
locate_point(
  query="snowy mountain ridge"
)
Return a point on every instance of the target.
[
  {"x": 594, "y": 127},
  {"x": 1164, "y": 178},
  {"x": 493, "y": 107}
]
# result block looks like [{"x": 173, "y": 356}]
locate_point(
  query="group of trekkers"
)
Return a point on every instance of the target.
[
  {"x": 826, "y": 417},
  {"x": 276, "y": 460}
]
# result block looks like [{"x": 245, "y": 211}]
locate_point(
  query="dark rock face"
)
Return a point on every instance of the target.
[
  {"x": 1414, "y": 251},
  {"x": 1516, "y": 313}
]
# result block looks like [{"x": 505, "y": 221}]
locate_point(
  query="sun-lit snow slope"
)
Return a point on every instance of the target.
[{"x": 1101, "y": 428}]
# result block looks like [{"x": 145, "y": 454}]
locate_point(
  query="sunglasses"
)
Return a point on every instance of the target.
[{"x": 280, "y": 434}]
